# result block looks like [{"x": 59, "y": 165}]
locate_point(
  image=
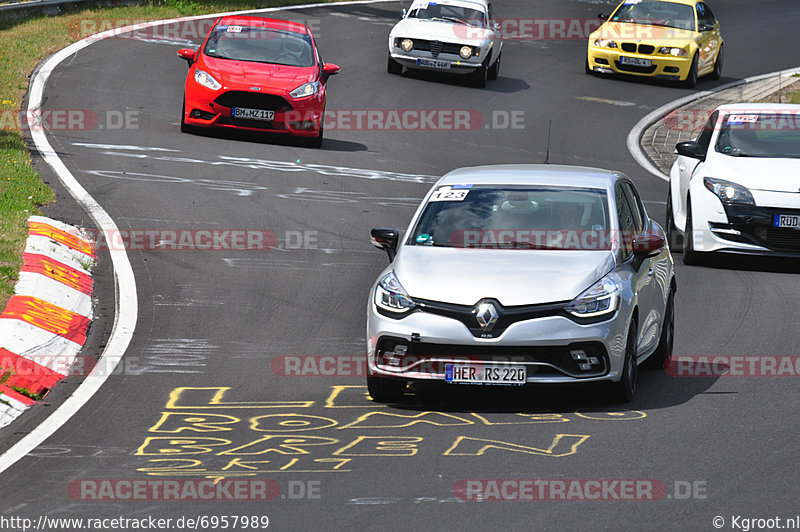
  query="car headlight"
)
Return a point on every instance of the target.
[
  {"x": 305, "y": 90},
  {"x": 605, "y": 43},
  {"x": 729, "y": 192},
  {"x": 390, "y": 295},
  {"x": 601, "y": 298},
  {"x": 204, "y": 78},
  {"x": 465, "y": 52},
  {"x": 671, "y": 50},
  {"x": 406, "y": 45}
]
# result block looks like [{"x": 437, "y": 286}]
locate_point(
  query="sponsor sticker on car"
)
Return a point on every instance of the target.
[
  {"x": 742, "y": 119},
  {"x": 449, "y": 194}
]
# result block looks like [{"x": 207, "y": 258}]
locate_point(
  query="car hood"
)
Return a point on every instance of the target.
[
  {"x": 437, "y": 30},
  {"x": 513, "y": 277},
  {"x": 270, "y": 77},
  {"x": 758, "y": 173},
  {"x": 655, "y": 35}
]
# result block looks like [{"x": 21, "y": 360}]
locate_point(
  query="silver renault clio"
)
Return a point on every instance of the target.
[{"x": 518, "y": 274}]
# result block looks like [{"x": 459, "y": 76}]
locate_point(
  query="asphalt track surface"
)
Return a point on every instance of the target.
[{"x": 216, "y": 320}]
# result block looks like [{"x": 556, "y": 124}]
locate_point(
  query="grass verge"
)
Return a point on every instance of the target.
[{"x": 25, "y": 42}]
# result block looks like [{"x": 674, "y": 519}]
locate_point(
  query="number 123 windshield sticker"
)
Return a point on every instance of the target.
[{"x": 449, "y": 193}]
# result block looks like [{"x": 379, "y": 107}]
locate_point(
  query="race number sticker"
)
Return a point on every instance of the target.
[
  {"x": 449, "y": 193},
  {"x": 742, "y": 119},
  {"x": 234, "y": 29}
]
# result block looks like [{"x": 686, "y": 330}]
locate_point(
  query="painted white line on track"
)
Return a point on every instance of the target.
[
  {"x": 125, "y": 283},
  {"x": 635, "y": 135}
]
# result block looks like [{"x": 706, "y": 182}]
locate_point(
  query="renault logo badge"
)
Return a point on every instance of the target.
[{"x": 486, "y": 314}]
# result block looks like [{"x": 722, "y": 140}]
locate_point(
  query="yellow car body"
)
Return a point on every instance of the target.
[{"x": 677, "y": 40}]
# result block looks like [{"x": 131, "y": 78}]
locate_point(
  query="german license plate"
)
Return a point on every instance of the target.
[
  {"x": 635, "y": 61},
  {"x": 479, "y": 374},
  {"x": 787, "y": 220},
  {"x": 433, "y": 63},
  {"x": 252, "y": 114}
]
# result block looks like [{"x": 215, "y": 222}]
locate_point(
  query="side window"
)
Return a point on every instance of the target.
[
  {"x": 704, "y": 138},
  {"x": 636, "y": 207},
  {"x": 704, "y": 15},
  {"x": 626, "y": 223}
]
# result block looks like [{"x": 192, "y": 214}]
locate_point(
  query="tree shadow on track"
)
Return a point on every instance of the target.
[{"x": 328, "y": 144}]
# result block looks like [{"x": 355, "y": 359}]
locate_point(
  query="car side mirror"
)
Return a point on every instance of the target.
[
  {"x": 328, "y": 70},
  {"x": 602, "y": 16},
  {"x": 495, "y": 26},
  {"x": 691, "y": 149},
  {"x": 648, "y": 244},
  {"x": 404, "y": 13},
  {"x": 385, "y": 238},
  {"x": 188, "y": 54},
  {"x": 706, "y": 27}
]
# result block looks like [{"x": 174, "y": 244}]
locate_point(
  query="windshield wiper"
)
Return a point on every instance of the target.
[{"x": 451, "y": 19}]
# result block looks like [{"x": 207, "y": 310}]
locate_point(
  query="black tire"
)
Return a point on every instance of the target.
[
  {"x": 663, "y": 353},
  {"x": 384, "y": 390},
  {"x": 690, "y": 256},
  {"x": 185, "y": 128},
  {"x": 691, "y": 77},
  {"x": 480, "y": 76},
  {"x": 672, "y": 231},
  {"x": 494, "y": 71},
  {"x": 625, "y": 388},
  {"x": 586, "y": 67},
  {"x": 717, "y": 73},
  {"x": 393, "y": 67}
]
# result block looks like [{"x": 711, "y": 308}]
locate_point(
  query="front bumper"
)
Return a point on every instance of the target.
[
  {"x": 206, "y": 108},
  {"x": 429, "y": 342},
  {"x": 456, "y": 65},
  {"x": 607, "y": 61}
]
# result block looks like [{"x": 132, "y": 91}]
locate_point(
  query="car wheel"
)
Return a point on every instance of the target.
[
  {"x": 586, "y": 65},
  {"x": 185, "y": 128},
  {"x": 663, "y": 353},
  {"x": 690, "y": 255},
  {"x": 494, "y": 71},
  {"x": 626, "y": 386},
  {"x": 480, "y": 76},
  {"x": 393, "y": 67},
  {"x": 691, "y": 77},
  {"x": 385, "y": 390},
  {"x": 672, "y": 231},
  {"x": 717, "y": 73}
]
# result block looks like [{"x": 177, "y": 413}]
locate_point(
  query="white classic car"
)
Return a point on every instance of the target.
[{"x": 457, "y": 36}]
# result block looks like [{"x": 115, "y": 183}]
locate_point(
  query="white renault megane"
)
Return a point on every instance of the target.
[
  {"x": 522, "y": 274},
  {"x": 736, "y": 187}
]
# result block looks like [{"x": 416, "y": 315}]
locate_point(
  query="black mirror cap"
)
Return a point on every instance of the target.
[
  {"x": 690, "y": 148},
  {"x": 385, "y": 238}
]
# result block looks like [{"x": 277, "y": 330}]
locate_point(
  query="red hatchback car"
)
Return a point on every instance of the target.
[{"x": 257, "y": 74}]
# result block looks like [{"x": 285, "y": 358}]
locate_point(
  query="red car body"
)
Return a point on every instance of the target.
[{"x": 264, "y": 61}]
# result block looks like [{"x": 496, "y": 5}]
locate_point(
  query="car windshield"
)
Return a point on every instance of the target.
[
  {"x": 760, "y": 135},
  {"x": 261, "y": 45},
  {"x": 459, "y": 14},
  {"x": 512, "y": 217},
  {"x": 656, "y": 13}
]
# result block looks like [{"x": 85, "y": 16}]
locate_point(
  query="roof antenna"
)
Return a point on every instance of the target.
[{"x": 547, "y": 155}]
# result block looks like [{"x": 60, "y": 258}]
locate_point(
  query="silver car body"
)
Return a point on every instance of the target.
[
  {"x": 437, "y": 34},
  {"x": 515, "y": 277}
]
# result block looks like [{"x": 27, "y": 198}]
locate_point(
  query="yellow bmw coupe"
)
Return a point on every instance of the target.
[{"x": 677, "y": 40}]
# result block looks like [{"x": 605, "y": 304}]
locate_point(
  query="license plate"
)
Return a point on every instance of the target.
[
  {"x": 252, "y": 114},
  {"x": 635, "y": 61},
  {"x": 433, "y": 63},
  {"x": 478, "y": 374},
  {"x": 787, "y": 220}
]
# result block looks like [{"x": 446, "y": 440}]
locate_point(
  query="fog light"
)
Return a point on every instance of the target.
[
  {"x": 578, "y": 354},
  {"x": 196, "y": 113},
  {"x": 593, "y": 361},
  {"x": 585, "y": 366}
]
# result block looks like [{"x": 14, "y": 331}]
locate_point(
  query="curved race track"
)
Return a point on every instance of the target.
[{"x": 216, "y": 321}]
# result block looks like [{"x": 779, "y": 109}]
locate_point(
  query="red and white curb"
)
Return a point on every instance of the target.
[{"x": 44, "y": 324}]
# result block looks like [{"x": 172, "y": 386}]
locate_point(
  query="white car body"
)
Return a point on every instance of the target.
[
  {"x": 773, "y": 184},
  {"x": 429, "y": 34}
]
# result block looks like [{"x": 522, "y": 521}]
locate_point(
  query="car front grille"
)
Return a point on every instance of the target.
[
  {"x": 634, "y": 68},
  {"x": 632, "y": 48},
  {"x": 256, "y": 124},
  {"x": 437, "y": 47},
  {"x": 782, "y": 238},
  {"x": 550, "y": 359},
  {"x": 253, "y": 100}
]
